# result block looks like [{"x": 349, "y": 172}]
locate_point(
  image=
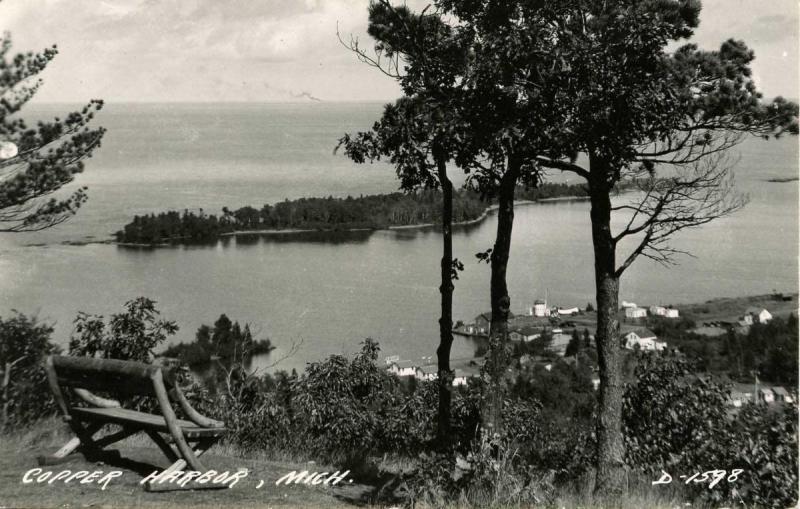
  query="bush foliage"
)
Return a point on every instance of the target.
[{"x": 347, "y": 410}]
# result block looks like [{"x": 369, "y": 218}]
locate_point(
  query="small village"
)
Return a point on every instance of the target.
[{"x": 559, "y": 325}]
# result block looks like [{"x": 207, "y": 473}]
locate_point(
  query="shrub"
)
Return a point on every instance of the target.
[
  {"x": 671, "y": 415},
  {"x": 678, "y": 422},
  {"x": 132, "y": 335},
  {"x": 24, "y": 391}
]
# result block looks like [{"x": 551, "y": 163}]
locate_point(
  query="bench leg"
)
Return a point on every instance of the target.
[
  {"x": 64, "y": 454},
  {"x": 200, "y": 448},
  {"x": 162, "y": 444}
]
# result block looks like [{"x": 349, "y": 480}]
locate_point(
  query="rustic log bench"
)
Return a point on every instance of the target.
[{"x": 126, "y": 378}]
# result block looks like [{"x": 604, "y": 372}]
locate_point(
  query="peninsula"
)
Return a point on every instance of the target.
[{"x": 370, "y": 212}]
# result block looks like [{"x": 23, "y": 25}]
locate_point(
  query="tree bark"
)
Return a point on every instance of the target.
[
  {"x": 446, "y": 319},
  {"x": 497, "y": 362},
  {"x": 610, "y": 475}
]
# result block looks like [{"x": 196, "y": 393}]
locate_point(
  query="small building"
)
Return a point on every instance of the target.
[
  {"x": 568, "y": 311},
  {"x": 765, "y": 395},
  {"x": 737, "y": 399},
  {"x": 483, "y": 322},
  {"x": 540, "y": 308},
  {"x": 525, "y": 334},
  {"x": 392, "y": 358},
  {"x": 781, "y": 395},
  {"x": 672, "y": 313},
  {"x": 626, "y": 304},
  {"x": 459, "y": 378},
  {"x": 645, "y": 339},
  {"x": 595, "y": 383},
  {"x": 757, "y": 315},
  {"x": 658, "y": 311},
  {"x": 427, "y": 373},
  {"x": 402, "y": 368},
  {"x": 635, "y": 313}
]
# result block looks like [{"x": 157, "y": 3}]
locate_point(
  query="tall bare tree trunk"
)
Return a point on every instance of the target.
[
  {"x": 497, "y": 362},
  {"x": 446, "y": 319},
  {"x": 610, "y": 476}
]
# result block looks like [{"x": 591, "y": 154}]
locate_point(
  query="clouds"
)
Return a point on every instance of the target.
[
  {"x": 770, "y": 28},
  {"x": 268, "y": 50}
]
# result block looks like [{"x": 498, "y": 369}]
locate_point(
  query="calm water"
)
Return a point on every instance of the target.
[{"x": 331, "y": 291}]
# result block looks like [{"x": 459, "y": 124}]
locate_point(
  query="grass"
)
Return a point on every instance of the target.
[
  {"x": 18, "y": 453},
  {"x": 19, "y": 449},
  {"x": 730, "y": 309}
]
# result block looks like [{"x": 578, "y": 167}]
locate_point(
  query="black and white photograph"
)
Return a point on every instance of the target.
[{"x": 399, "y": 254}]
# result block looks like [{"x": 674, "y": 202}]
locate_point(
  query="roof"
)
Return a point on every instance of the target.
[
  {"x": 528, "y": 330},
  {"x": 488, "y": 316},
  {"x": 642, "y": 332},
  {"x": 752, "y": 310},
  {"x": 429, "y": 370},
  {"x": 538, "y": 301},
  {"x": 780, "y": 391},
  {"x": 765, "y": 390}
]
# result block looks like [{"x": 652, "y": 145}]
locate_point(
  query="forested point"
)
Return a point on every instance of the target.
[
  {"x": 372, "y": 212},
  {"x": 226, "y": 341}
]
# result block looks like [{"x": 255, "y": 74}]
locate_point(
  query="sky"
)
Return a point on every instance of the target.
[{"x": 285, "y": 50}]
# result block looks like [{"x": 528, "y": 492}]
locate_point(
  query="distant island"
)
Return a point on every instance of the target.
[
  {"x": 371, "y": 212},
  {"x": 226, "y": 342},
  {"x": 781, "y": 180}
]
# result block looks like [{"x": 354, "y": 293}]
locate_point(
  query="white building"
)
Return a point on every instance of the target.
[
  {"x": 645, "y": 339},
  {"x": 427, "y": 373},
  {"x": 765, "y": 395},
  {"x": 402, "y": 368},
  {"x": 757, "y": 315},
  {"x": 739, "y": 398},
  {"x": 460, "y": 378},
  {"x": 635, "y": 313},
  {"x": 626, "y": 304},
  {"x": 781, "y": 395},
  {"x": 568, "y": 311},
  {"x": 540, "y": 308},
  {"x": 664, "y": 311}
]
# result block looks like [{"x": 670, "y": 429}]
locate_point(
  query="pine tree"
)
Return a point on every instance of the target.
[{"x": 38, "y": 160}]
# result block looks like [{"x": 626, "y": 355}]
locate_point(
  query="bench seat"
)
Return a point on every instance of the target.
[
  {"x": 183, "y": 441},
  {"x": 143, "y": 420}
]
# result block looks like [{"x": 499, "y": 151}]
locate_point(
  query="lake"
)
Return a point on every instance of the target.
[{"x": 330, "y": 291}]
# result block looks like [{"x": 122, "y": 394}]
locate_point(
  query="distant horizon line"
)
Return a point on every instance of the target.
[
  {"x": 336, "y": 101},
  {"x": 108, "y": 101}
]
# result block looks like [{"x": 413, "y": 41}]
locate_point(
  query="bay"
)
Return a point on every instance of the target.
[{"x": 330, "y": 291}]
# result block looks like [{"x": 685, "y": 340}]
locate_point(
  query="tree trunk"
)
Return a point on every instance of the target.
[
  {"x": 6, "y": 382},
  {"x": 497, "y": 362},
  {"x": 446, "y": 319},
  {"x": 610, "y": 475}
]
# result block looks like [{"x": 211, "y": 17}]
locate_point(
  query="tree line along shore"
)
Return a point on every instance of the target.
[{"x": 365, "y": 212}]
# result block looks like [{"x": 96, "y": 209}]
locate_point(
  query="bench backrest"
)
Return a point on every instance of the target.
[{"x": 127, "y": 378}]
